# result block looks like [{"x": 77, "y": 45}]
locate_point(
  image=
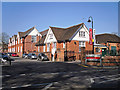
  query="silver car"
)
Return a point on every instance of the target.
[{"x": 32, "y": 56}]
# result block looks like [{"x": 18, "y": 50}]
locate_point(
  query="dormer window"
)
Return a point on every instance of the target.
[
  {"x": 33, "y": 39},
  {"x": 51, "y": 36},
  {"x": 81, "y": 34}
]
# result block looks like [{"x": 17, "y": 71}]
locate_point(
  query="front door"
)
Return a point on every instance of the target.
[{"x": 53, "y": 49}]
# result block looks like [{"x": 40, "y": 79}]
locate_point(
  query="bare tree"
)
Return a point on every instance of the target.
[{"x": 4, "y": 37}]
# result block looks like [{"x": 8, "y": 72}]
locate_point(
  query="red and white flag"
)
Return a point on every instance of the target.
[{"x": 90, "y": 36}]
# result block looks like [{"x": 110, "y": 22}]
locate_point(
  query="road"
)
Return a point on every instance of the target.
[{"x": 36, "y": 75}]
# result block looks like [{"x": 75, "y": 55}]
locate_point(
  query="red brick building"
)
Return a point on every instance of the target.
[
  {"x": 58, "y": 43},
  {"x": 107, "y": 42},
  {"x": 24, "y": 42}
]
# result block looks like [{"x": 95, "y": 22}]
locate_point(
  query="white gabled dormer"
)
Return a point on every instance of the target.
[
  {"x": 34, "y": 32},
  {"x": 82, "y": 34},
  {"x": 50, "y": 37}
]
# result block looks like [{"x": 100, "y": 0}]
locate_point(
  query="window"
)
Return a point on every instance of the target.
[
  {"x": 21, "y": 40},
  {"x": 43, "y": 48},
  {"x": 64, "y": 45},
  {"x": 38, "y": 49},
  {"x": 81, "y": 34},
  {"x": 21, "y": 48},
  {"x": 82, "y": 43},
  {"x": 51, "y": 36},
  {"x": 16, "y": 41},
  {"x": 33, "y": 39},
  {"x": 79, "y": 46},
  {"x": 48, "y": 47},
  {"x": 55, "y": 45},
  {"x": 18, "y": 49},
  {"x": 97, "y": 49}
]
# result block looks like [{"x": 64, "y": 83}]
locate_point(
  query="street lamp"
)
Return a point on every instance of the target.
[{"x": 91, "y": 20}]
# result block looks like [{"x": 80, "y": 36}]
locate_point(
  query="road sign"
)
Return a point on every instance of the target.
[{"x": 93, "y": 57}]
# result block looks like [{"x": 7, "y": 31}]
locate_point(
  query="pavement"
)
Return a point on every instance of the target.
[{"x": 36, "y": 75}]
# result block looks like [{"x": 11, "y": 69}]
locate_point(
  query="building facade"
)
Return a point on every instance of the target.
[
  {"x": 61, "y": 44},
  {"x": 24, "y": 42},
  {"x": 108, "y": 43}
]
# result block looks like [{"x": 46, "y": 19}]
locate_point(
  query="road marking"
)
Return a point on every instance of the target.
[
  {"x": 109, "y": 80},
  {"x": 92, "y": 80},
  {"x": 105, "y": 76},
  {"x": 82, "y": 65},
  {"x": 31, "y": 85},
  {"x": 48, "y": 86},
  {"x": 21, "y": 74}
]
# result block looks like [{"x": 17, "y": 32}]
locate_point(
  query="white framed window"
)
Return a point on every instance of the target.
[
  {"x": 81, "y": 34},
  {"x": 21, "y": 48},
  {"x": 16, "y": 41},
  {"x": 48, "y": 47},
  {"x": 82, "y": 43},
  {"x": 64, "y": 45},
  {"x": 21, "y": 40},
  {"x": 51, "y": 36},
  {"x": 38, "y": 49},
  {"x": 18, "y": 48},
  {"x": 33, "y": 39},
  {"x": 43, "y": 48}
]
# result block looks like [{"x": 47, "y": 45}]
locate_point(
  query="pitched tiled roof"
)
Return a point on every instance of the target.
[
  {"x": 41, "y": 41},
  {"x": 65, "y": 33},
  {"x": 23, "y": 34},
  {"x": 44, "y": 32},
  {"x": 61, "y": 34},
  {"x": 104, "y": 38}
]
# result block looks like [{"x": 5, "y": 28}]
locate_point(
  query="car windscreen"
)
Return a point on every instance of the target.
[
  {"x": 33, "y": 54},
  {"x": 43, "y": 55}
]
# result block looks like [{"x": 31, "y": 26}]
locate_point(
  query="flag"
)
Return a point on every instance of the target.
[{"x": 90, "y": 37}]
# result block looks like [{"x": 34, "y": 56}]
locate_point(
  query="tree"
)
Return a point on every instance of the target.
[{"x": 4, "y": 37}]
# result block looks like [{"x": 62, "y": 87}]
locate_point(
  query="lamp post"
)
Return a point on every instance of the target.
[{"x": 91, "y": 20}]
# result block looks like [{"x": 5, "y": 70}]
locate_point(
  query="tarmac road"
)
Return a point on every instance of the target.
[{"x": 36, "y": 75}]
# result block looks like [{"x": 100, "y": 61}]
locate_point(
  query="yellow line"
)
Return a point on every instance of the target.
[{"x": 83, "y": 65}]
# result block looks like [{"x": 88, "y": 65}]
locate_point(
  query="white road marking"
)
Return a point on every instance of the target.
[
  {"x": 106, "y": 76},
  {"x": 109, "y": 80},
  {"x": 21, "y": 74},
  {"x": 48, "y": 86},
  {"x": 92, "y": 80}
]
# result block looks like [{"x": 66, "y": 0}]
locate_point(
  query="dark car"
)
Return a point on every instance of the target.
[
  {"x": 42, "y": 57},
  {"x": 9, "y": 54},
  {"x": 24, "y": 55},
  {"x": 32, "y": 56},
  {"x": 4, "y": 57}
]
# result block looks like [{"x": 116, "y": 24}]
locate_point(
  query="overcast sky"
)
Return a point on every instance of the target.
[{"x": 21, "y": 16}]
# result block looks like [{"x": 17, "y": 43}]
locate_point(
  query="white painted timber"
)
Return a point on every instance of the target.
[
  {"x": 78, "y": 38},
  {"x": 50, "y": 37},
  {"x": 34, "y": 32}
]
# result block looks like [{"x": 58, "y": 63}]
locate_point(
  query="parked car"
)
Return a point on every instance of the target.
[
  {"x": 15, "y": 55},
  {"x": 3, "y": 56},
  {"x": 24, "y": 55},
  {"x": 9, "y": 54},
  {"x": 32, "y": 56},
  {"x": 42, "y": 57}
]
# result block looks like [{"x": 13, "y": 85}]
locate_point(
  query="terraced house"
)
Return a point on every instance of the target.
[
  {"x": 24, "y": 42},
  {"x": 58, "y": 43}
]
